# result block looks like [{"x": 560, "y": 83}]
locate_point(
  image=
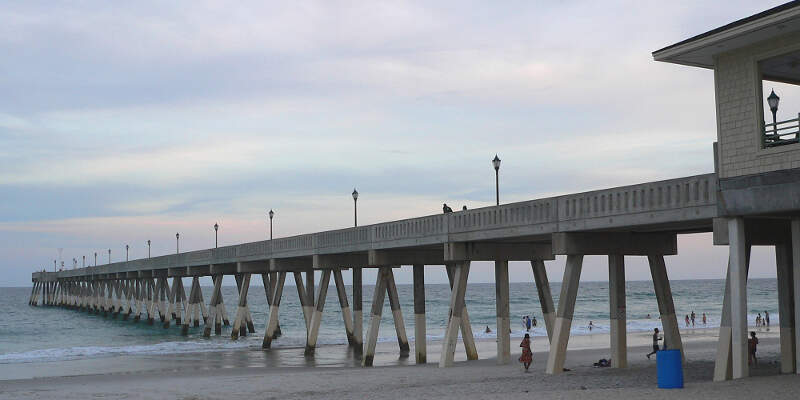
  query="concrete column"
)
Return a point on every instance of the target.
[
  {"x": 190, "y": 308},
  {"x": 308, "y": 308},
  {"x": 616, "y": 292},
  {"x": 783, "y": 261},
  {"x": 566, "y": 309},
  {"x": 420, "y": 331},
  {"x": 270, "y": 281},
  {"x": 738, "y": 283},
  {"x": 201, "y": 307},
  {"x": 310, "y": 288},
  {"x": 545, "y": 297},
  {"x": 666, "y": 307},
  {"x": 240, "y": 321},
  {"x": 358, "y": 317},
  {"x": 316, "y": 319},
  {"x": 397, "y": 314},
  {"x": 347, "y": 316},
  {"x": 466, "y": 329},
  {"x": 170, "y": 306},
  {"x": 378, "y": 297},
  {"x": 502, "y": 310},
  {"x": 459, "y": 274},
  {"x": 214, "y": 317},
  {"x": 272, "y": 325},
  {"x": 796, "y": 289}
]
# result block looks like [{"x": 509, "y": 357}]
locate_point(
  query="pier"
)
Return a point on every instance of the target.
[{"x": 751, "y": 199}]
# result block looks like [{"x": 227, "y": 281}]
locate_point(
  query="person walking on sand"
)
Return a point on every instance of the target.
[
  {"x": 766, "y": 317},
  {"x": 527, "y": 355},
  {"x": 655, "y": 343},
  {"x": 687, "y": 320},
  {"x": 758, "y": 320},
  {"x": 704, "y": 319},
  {"x": 591, "y": 326},
  {"x": 692, "y": 317},
  {"x": 752, "y": 344}
]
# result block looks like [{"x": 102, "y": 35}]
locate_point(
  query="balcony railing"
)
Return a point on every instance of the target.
[{"x": 782, "y": 132}]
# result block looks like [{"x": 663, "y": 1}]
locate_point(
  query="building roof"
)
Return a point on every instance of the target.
[{"x": 699, "y": 51}]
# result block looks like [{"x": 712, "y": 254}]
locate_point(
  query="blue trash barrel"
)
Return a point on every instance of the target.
[{"x": 670, "y": 369}]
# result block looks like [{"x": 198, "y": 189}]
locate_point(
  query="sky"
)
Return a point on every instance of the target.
[{"x": 121, "y": 123}]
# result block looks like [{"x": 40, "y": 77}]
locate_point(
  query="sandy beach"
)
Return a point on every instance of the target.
[{"x": 333, "y": 373}]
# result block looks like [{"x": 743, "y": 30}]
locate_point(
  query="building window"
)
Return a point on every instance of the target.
[{"x": 780, "y": 99}]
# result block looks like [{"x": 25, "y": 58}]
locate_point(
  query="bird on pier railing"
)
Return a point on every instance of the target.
[{"x": 446, "y": 209}]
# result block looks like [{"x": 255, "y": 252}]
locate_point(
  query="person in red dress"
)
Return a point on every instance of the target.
[{"x": 527, "y": 354}]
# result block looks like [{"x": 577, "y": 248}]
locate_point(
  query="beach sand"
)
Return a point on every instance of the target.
[{"x": 333, "y": 373}]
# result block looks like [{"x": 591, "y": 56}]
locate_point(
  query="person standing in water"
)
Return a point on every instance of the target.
[
  {"x": 528, "y": 323},
  {"x": 527, "y": 355},
  {"x": 692, "y": 316},
  {"x": 766, "y": 317},
  {"x": 704, "y": 319},
  {"x": 534, "y": 321},
  {"x": 655, "y": 343},
  {"x": 591, "y": 326},
  {"x": 687, "y": 320}
]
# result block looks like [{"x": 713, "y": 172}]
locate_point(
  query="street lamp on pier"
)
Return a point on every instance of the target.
[
  {"x": 126, "y": 252},
  {"x": 55, "y": 265},
  {"x": 95, "y": 258},
  {"x": 109, "y": 256},
  {"x": 83, "y": 264},
  {"x": 148, "y": 248},
  {"x": 271, "y": 215},
  {"x": 216, "y": 241},
  {"x": 355, "y": 207},
  {"x": 773, "y": 101},
  {"x": 496, "y": 164},
  {"x": 177, "y": 243}
]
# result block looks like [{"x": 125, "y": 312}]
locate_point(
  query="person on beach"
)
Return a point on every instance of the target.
[
  {"x": 687, "y": 320},
  {"x": 528, "y": 322},
  {"x": 648, "y": 316},
  {"x": 766, "y": 317},
  {"x": 591, "y": 326},
  {"x": 704, "y": 318},
  {"x": 534, "y": 322},
  {"x": 758, "y": 320},
  {"x": 752, "y": 343},
  {"x": 487, "y": 329},
  {"x": 527, "y": 355},
  {"x": 692, "y": 317},
  {"x": 655, "y": 343}
]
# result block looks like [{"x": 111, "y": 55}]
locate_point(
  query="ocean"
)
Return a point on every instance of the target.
[{"x": 37, "y": 334}]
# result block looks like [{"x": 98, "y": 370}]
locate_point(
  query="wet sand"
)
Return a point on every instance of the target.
[{"x": 333, "y": 373}]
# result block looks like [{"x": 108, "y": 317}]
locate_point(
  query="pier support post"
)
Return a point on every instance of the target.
[
  {"x": 566, "y": 308},
  {"x": 666, "y": 307},
  {"x": 545, "y": 296},
  {"x": 358, "y": 316},
  {"x": 466, "y": 329},
  {"x": 795, "y": 226},
  {"x": 347, "y": 316},
  {"x": 308, "y": 309},
  {"x": 240, "y": 321},
  {"x": 502, "y": 308},
  {"x": 738, "y": 297},
  {"x": 458, "y": 280},
  {"x": 378, "y": 297},
  {"x": 397, "y": 314},
  {"x": 214, "y": 314},
  {"x": 316, "y": 318},
  {"x": 275, "y": 303},
  {"x": 617, "y": 312},
  {"x": 420, "y": 331},
  {"x": 270, "y": 279},
  {"x": 783, "y": 261}
]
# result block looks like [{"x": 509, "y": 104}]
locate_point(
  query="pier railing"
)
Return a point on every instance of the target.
[
  {"x": 782, "y": 132},
  {"x": 670, "y": 201}
]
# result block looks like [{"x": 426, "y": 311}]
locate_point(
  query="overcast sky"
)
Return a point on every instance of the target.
[{"x": 121, "y": 123}]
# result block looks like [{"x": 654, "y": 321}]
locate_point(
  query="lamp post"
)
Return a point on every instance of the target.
[
  {"x": 95, "y": 258},
  {"x": 216, "y": 229},
  {"x": 109, "y": 256},
  {"x": 83, "y": 264},
  {"x": 177, "y": 243},
  {"x": 773, "y": 101},
  {"x": 148, "y": 248},
  {"x": 355, "y": 207},
  {"x": 271, "y": 215},
  {"x": 55, "y": 265},
  {"x": 126, "y": 252},
  {"x": 496, "y": 164}
]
